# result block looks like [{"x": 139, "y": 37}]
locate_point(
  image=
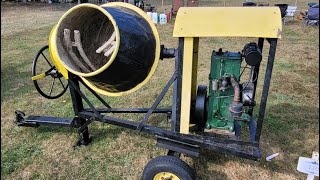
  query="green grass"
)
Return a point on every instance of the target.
[
  {"x": 291, "y": 124},
  {"x": 18, "y": 156}
]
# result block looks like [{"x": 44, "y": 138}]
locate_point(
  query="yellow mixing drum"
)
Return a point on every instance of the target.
[{"x": 114, "y": 47}]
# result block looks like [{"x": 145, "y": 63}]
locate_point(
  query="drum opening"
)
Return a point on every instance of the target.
[{"x": 86, "y": 39}]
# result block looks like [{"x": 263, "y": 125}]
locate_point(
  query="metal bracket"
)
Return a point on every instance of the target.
[
  {"x": 167, "y": 52},
  {"x": 156, "y": 103},
  {"x": 84, "y": 137},
  {"x": 36, "y": 121},
  {"x": 19, "y": 116},
  {"x": 173, "y": 153},
  {"x": 178, "y": 146},
  {"x": 20, "y": 120}
]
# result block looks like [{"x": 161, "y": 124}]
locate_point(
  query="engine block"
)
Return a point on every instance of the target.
[{"x": 225, "y": 106}]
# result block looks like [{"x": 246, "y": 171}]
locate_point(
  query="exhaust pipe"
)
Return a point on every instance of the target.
[{"x": 236, "y": 107}]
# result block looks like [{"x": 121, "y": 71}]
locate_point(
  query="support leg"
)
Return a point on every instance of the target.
[
  {"x": 265, "y": 90},
  {"x": 176, "y": 111},
  {"x": 186, "y": 85},
  {"x": 84, "y": 139},
  {"x": 77, "y": 103}
]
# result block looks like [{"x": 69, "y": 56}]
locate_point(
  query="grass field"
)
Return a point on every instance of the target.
[{"x": 291, "y": 123}]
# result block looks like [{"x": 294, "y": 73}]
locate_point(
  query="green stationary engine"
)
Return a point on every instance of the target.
[
  {"x": 229, "y": 103},
  {"x": 224, "y": 66}
]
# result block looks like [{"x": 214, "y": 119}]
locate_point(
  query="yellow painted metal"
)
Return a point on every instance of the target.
[
  {"x": 165, "y": 175},
  {"x": 186, "y": 85},
  {"x": 262, "y": 22},
  {"x": 39, "y": 76},
  {"x": 194, "y": 69},
  {"x": 54, "y": 53}
]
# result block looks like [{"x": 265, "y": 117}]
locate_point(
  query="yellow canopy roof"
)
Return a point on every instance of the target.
[{"x": 228, "y": 22}]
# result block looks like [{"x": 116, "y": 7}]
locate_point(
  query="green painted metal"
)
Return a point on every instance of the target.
[{"x": 222, "y": 65}]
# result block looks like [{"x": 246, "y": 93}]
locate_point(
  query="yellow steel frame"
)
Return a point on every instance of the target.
[
  {"x": 262, "y": 22},
  {"x": 194, "y": 22}
]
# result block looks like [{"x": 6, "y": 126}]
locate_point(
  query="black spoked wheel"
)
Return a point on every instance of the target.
[
  {"x": 168, "y": 168},
  {"x": 47, "y": 80}
]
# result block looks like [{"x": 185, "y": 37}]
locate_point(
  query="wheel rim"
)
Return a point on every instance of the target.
[
  {"x": 47, "y": 80},
  {"x": 165, "y": 176}
]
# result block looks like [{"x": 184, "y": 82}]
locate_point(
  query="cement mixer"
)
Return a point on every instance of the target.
[
  {"x": 112, "y": 56},
  {"x": 114, "y": 49}
]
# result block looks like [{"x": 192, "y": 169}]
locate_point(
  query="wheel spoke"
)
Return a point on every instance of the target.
[
  {"x": 52, "y": 86},
  {"x": 52, "y": 68},
  {"x": 61, "y": 83},
  {"x": 46, "y": 59}
]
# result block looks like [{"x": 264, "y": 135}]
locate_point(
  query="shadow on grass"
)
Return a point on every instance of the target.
[
  {"x": 294, "y": 130},
  {"x": 203, "y": 162},
  {"x": 98, "y": 134}
]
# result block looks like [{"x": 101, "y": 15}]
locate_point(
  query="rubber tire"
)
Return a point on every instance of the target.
[{"x": 170, "y": 164}]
